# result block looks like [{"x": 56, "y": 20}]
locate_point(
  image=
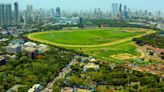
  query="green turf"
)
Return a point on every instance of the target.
[
  {"x": 87, "y": 37},
  {"x": 106, "y": 52},
  {"x": 95, "y": 37}
]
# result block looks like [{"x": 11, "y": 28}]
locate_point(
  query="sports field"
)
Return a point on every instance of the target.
[{"x": 106, "y": 44}]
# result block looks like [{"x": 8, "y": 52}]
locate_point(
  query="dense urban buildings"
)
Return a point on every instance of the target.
[
  {"x": 7, "y": 16},
  {"x": 15, "y": 17}
]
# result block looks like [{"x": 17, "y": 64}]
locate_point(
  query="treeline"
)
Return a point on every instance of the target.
[
  {"x": 55, "y": 27},
  {"x": 156, "y": 40},
  {"x": 112, "y": 23}
]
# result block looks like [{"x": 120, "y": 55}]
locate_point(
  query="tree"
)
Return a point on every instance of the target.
[
  {"x": 39, "y": 69},
  {"x": 56, "y": 88},
  {"x": 24, "y": 59},
  {"x": 135, "y": 86},
  {"x": 23, "y": 89},
  {"x": 30, "y": 80},
  {"x": 13, "y": 63},
  {"x": 1, "y": 88}
]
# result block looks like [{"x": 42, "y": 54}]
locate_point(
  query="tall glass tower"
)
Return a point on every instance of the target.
[
  {"x": 58, "y": 12},
  {"x": 8, "y": 19},
  {"x": 16, "y": 14},
  {"x": 2, "y": 15}
]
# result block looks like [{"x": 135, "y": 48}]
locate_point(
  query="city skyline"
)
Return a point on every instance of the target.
[{"x": 105, "y": 5}]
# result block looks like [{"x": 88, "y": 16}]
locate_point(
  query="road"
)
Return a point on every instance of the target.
[{"x": 62, "y": 74}]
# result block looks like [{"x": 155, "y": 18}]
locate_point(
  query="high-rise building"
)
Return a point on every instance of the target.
[
  {"x": 5, "y": 15},
  {"x": 115, "y": 9},
  {"x": 125, "y": 13},
  {"x": 29, "y": 14},
  {"x": 99, "y": 13},
  {"x": 120, "y": 8},
  {"x": 158, "y": 14},
  {"x": 129, "y": 13},
  {"x": 146, "y": 13},
  {"x": 16, "y": 14},
  {"x": 8, "y": 13},
  {"x": 95, "y": 13},
  {"x": 30, "y": 9},
  {"x": 58, "y": 12},
  {"x": 52, "y": 13},
  {"x": 2, "y": 15}
]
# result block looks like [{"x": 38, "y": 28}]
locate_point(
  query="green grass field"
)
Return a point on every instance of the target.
[
  {"x": 99, "y": 43},
  {"x": 87, "y": 37}
]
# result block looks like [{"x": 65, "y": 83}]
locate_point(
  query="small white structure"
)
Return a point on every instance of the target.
[
  {"x": 42, "y": 48},
  {"x": 13, "y": 57},
  {"x": 36, "y": 88},
  {"x": 92, "y": 59},
  {"x": 30, "y": 44},
  {"x": 160, "y": 26},
  {"x": 91, "y": 66},
  {"x": 4, "y": 39}
]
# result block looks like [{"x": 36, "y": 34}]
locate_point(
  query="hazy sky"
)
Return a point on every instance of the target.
[{"x": 73, "y": 5}]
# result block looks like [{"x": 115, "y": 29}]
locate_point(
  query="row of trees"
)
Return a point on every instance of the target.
[
  {"x": 154, "y": 39},
  {"x": 112, "y": 23}
]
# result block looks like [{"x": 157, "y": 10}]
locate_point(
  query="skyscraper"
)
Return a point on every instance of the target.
[
  {"x": 115, "y": 9},
  {"x": 29, "y": 14},
  {"x": 58, "y": 13},
  {"x": 120, "y": 8},
  {"x": 8, "y": 13},
  {"x": 30, "y": 9},
  {"x": 99, "y": 13},
  {"x": 16, "y": 14},
  {"x": 125, "y": 13},
  {"x": 95, "y": 13},
  {"x": 52, "y": 13},
  {"x": 2, "y": 15}
]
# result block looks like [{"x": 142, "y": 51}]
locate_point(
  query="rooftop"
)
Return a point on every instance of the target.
[
  {"x": 36, "y": 88},
  {"x": 30, "y": 44},
  {"x": 31, "y": 49},
  {"x": 13, "y": 46},
  {"x": 91, "y": 65},
  {"x": 1, "y": 57}
]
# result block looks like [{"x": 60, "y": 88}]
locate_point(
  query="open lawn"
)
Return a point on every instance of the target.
[
  {"x": 106, "y": 44},
  {"x": 86, "y": 37}
]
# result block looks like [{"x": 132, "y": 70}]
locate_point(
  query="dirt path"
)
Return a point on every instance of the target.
[
  {"x": 31, "y": 37},
  {"x": 143, "y": 55}
]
